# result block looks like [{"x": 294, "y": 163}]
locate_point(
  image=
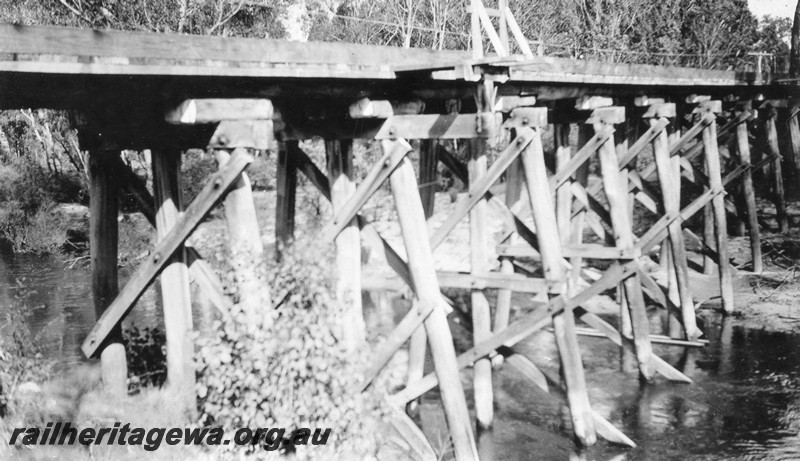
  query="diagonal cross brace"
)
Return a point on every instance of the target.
[
  {"x": 199, "y": 269},
  {"x": 216, "y": 188},
  {"x": 649, "y": 285},
  {"x": 478, "y": 190},
  {"x": 379, "y": 173},
  {"x": 524, "y": 327}
]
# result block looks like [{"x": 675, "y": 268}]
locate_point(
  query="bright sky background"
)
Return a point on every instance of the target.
[{"x": 779, "y": 8}]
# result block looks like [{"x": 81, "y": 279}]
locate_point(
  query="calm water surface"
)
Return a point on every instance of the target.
[{"x": 744, "y": 403}]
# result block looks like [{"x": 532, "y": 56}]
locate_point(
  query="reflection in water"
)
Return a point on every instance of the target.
[
  {"x": 744, "y": 402},
  {"x": 485, "y": 439}
]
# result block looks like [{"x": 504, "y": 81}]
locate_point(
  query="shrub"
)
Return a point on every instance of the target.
[
  {"x": 147, "y": 360},
  {"x": 39, "y": 231},
  {"x": 262, "y": 171},
  {"x": 195, "y": 169},
  {"x": 21, "y": 362},
  {"x": 293, "y": 374}
]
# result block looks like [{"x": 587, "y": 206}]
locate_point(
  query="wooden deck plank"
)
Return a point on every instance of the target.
[{"x": 63, "y": 50}]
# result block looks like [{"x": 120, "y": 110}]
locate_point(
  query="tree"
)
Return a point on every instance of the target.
[{"x": 773, "y": 37}]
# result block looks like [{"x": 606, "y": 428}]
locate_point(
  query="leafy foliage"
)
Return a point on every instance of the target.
[
  {"x": 147, "y": 360},
  {"x": 292, "y": 374},
  {"x": 20, "y": 359}
]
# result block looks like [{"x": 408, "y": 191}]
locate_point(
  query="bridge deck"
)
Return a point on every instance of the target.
[{"x": 62, "y": 67}]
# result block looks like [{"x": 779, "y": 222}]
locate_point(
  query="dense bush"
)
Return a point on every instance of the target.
[
  {"x": 41, "y": 167},
  {"x": 147, "y": 359},
  {"x": 21, "y": 362},
  {"x": 293, "y": 374}
]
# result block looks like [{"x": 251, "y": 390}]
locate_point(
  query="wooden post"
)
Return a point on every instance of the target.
[
  {"x": 674, "y": 325},
  {"x": 214, "y": 190},
  {"x": 175, "y": 291},
  {"x": 718, "y": 203},
  {"x": 544, "y": 217},
  {"x": 428, "y": 175},
  {"x": 778, "y": 194},
  {"x": 476, "y": 34},
  {"x": 502, "y": 313},
  {"x": 585, "y": 133},
  {"x": 103, "y": 240},
  {"x": 481, "y": 316},
  {"x": 246, "y": 247},
  {"x": 286, "y": 185},
  {"x": 628, "y": 361},
  {"x": 678, "y": 269},
  {"x": 348, "y": 243},
  {"x": 563, "y": 192},
  {"x": 502, "y": 31},
  {"x": 709, "y": 266},
  {"x": 793, "y": 138},
  {"x": 743, "y": 150},
  {"x": 616, "y": 189},
  {"x": 739, "y": 225},
  {"x": 426, "y": 285}
]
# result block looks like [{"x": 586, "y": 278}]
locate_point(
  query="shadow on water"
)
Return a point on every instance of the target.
[{"x": 744, "y": 403}]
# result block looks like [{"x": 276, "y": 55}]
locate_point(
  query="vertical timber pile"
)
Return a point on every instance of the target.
[
  {"x": 103, "y": 241},
  {"x": 502, "y": 313},
  {"x": 616, "y": 189},
  {"x": 240, "y": 125},
  {"x": 777, "y": 175},
  {"x": 627, "y": 357},
  {"x": 479, "y": 262},
  {"x": 791, "y": 116},
  {"x": 426, "y": 285},
  {"x": 419, "y": 340},
  {"x": 743, "y": 151},
  {"x": 544, "y": 218},
  {"x": 348, "y": 243},
  {"x": 675, "y": 327},
  {"x": 719, "y": 223},
  {"x": 579, "y": 221},
  {"x": 246, "y": 247},
  {"x": 286, "y": 185},
  {"x": 678, "y": 270},
  {"x": 175, "y": 291}
]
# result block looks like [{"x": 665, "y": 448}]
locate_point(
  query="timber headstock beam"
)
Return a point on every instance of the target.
[
  {"x": 791, "y": 105},
  {"x": 194, "y": 123},
  {"x": 705, "y": 108},
  {"x": 384, "y": 119},
  {"x": 611, "y": 115},
  {"x": 240, "y": 123},
  {"x": 660, "y": 110}
]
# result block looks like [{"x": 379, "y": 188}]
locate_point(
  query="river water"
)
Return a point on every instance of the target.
[
  {"x": 744, "y": 402},
  {"x": 56, "y": 293}
]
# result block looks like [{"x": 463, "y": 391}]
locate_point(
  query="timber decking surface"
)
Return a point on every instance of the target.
[{"x": 45, "y": 66}]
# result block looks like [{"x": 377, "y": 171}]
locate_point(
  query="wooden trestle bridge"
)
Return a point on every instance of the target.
[{"x": 168, "y": 93}]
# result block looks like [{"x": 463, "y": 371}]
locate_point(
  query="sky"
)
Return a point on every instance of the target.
[{"x": 784, "y": 8}]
